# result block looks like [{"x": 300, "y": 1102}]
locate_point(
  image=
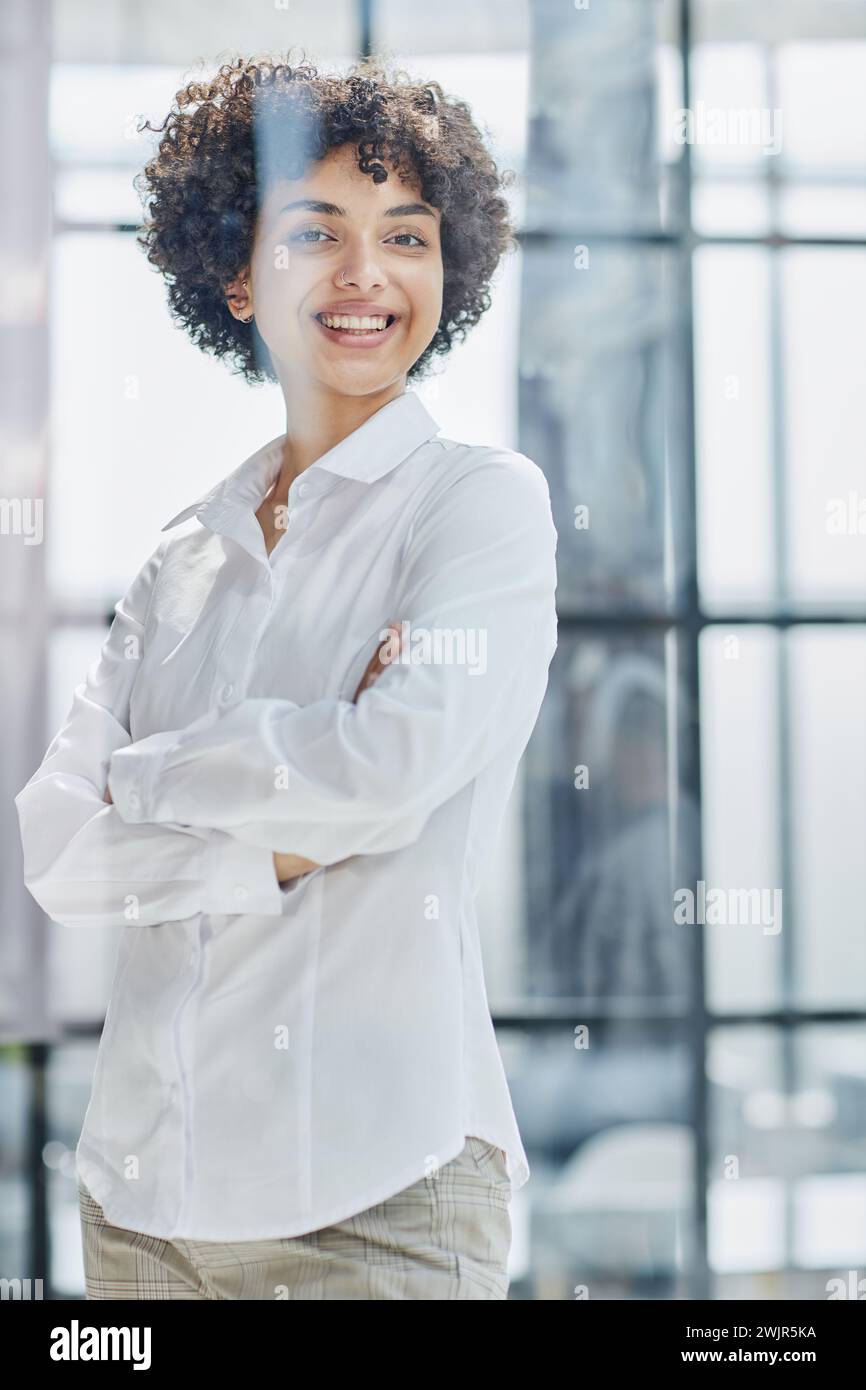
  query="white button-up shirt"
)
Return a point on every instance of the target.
[{"x": 275, "y": 1059}]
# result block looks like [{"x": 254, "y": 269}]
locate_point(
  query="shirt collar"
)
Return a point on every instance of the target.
[{"x": 365, "y": 455}]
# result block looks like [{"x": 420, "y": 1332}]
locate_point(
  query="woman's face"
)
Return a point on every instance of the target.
[{"x": 363, "y": 249}]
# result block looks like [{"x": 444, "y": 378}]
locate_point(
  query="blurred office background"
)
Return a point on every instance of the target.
[{"x": 679, "y": 344}]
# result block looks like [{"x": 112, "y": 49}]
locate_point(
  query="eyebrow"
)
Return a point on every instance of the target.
[{"x": 333, "y": 210}]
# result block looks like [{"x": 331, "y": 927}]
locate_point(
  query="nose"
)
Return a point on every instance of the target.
[{"x": 364, "y": 273}]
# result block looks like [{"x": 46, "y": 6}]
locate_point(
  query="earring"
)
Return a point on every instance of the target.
[{"x": 252, "y": 316}]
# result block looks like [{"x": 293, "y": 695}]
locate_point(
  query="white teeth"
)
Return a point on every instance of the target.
[{"x": 366, "y": 323}]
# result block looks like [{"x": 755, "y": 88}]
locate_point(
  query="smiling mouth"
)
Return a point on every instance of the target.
[
  {"x": 356, "y": 325},
  {"x": 353, "y": 330}
]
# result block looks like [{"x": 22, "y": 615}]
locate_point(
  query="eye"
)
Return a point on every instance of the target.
[
  {"x": 310, "y": 232},
  {"x": 420, "y": 240}
]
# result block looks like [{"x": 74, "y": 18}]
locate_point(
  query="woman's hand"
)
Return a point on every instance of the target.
[
  {"x": 288, "y": 866},
  {"x": 380, "y": 660},
  {"x": 292, "y": 866}
]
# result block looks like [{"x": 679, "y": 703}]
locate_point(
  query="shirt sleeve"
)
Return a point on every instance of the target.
[
  {"x": 337, "y": 778},
  {"x": 82, "y": 862}
]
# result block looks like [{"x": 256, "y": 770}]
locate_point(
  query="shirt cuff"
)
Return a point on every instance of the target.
[
  {"x": 132, "y": 776},
  {"x": 239, "y": 878}
]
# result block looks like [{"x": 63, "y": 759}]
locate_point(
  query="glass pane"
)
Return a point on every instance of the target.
[
  {"x": 733, "y": 391},
  {"x": 828, "y": 813},
  {"x": 96, "y": 108},
  {"x": 612, "y": 821},
  {"x": 824, "y": 306},
  {"x": 821, "y": 88},
  {"x": 97, "y": 195},
  {"x": 777, "y": 21},
  {"x": 729, "y": 122},
  {"x": 730, "y": 207},
  {"x": 787, "y": 1196},
  {"x": 607, "y": 1212},
  {"x": 168, "y": 34},
  {"x": 485, "y": 26},
  {"x": 598, "y": 145},
  {"x": 603, "y": 412},
  {"x": 816, "y": 210},
  {"x": 143, "y": 422},
  {"x": 740, "y": 791},
  {"x": 830, "y": 1066}
]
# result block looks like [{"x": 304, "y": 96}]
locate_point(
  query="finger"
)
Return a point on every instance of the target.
[
  {"x": 384, "y": 655},
  {"x": 390, "y": 643},
  {"x": 380, "y": 660}
]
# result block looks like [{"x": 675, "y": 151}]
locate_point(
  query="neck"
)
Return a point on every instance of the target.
[{"x": 318, "y": 420}]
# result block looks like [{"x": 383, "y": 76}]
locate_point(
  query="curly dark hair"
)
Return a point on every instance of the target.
[{"x": 217, "y": 153}]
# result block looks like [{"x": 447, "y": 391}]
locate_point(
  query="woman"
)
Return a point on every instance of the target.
[{"x": 298, "y": 1091}]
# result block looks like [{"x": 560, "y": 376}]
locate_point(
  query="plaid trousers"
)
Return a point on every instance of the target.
[{"x": 446, "y": 1236}]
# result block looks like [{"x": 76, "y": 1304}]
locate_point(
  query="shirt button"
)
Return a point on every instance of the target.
[
  {"x": 227, "y": 692},
  {"x": 134, "y": 800},
  {"x": 240, "y": 890},
  {"x": 303, "y": 489}
]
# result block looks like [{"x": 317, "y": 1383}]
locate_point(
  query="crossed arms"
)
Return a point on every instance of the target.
[{"x": 197, "y": 815}]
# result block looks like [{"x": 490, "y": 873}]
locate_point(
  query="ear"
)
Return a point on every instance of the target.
[{"x": 238, "y": 296}]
